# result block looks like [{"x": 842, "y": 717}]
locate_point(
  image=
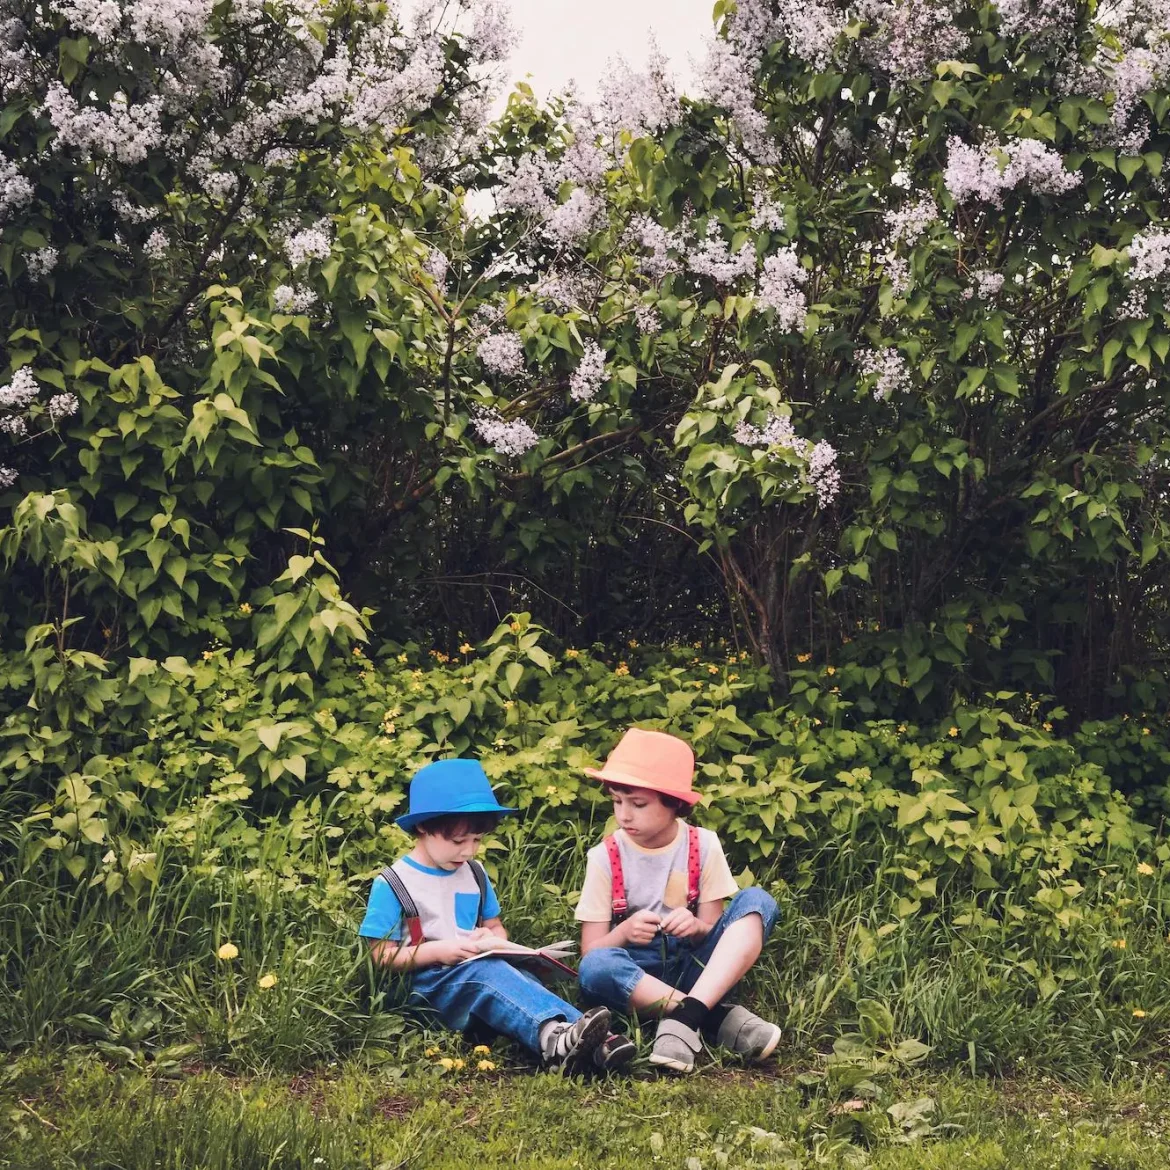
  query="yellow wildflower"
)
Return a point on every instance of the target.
[
  {"x": 509, "y": 704},
  {"x": 697, "y": 685},
  {"x": 1138, "y": 1014},
  {"x": 744, "y": 656},
  {"x": 550, "y": 790},
  {"x": 902, "y": 728},
  {"x": 712, "y": 670},
  {"x": 952, "y": 732},
  {"x": 228, "y": 951},
  {"x": 830, "y": 670},
  {"x": 846, "y": 641},
  {"x": 207, "y": 656},
  {"x": 732, "y": 677},
  {"x": 572, "y": 653},
  {"x": 1118, "y": 944},
  {"x": 500, "y": 742},
  {"x": 387, "y": 728},
  {"x": 621, "y": 670},
  {"x": 633, "y": 643},
  {"x": 447, "y": 1063},
  {"x": 466, "y": 648},
  {"x": 803, "y": 657},
  {"x": 697, "y": 645},
  {"x": 1047, "y": 726},
  {"x": 457, "y": 1063},
  {"x": 431, "y": 1052},
  {"x": 267, "y": 982},
  {"x": 482, "y": 1050},
  {"x": 515, "y": 627},
  {"x": 402, "y": 658},
  {"x": 416, "y": 673},
  {"x": 245, "y": 607},
  {"x": 486, "y": 1066},
  {"x": 1145, "y": 868},
  {"x": 357, "y": 652},
  {"x": 1145, "y": 731},
  {"x": 970, "y": 628}
]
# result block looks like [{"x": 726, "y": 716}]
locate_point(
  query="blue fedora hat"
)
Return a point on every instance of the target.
[{"x": 449, "y": 786}]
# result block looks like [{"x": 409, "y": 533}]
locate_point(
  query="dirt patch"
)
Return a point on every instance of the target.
[{"x": 395, "y": 1107}]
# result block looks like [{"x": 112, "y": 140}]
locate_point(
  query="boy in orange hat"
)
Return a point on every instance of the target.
[{"x": 656, "y": 937}]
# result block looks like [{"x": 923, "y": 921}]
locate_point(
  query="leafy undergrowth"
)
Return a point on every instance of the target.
[{"x": 77, "y": 1112}]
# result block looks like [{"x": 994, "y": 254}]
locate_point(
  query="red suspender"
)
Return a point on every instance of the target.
[
  {"x": 620, "y": 907},
  {"x": 694, "y": 869},
  {"x": 620, "y": 904}
]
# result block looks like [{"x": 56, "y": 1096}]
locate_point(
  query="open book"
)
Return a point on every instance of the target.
[{"x": 544, "y": 962}]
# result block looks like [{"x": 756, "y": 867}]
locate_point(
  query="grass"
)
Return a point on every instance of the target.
[{"x": 77, "y": 1113}]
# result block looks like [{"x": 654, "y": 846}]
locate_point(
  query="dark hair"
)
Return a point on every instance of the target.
[
  {"x": 671, "y": 802},
  {"x": 451, "y": 825}
]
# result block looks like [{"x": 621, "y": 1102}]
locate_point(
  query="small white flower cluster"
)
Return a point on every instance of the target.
[
  {"x": 159, "y": 23},
  {"x": 889, "y": 369},
  {"x": 156, "y": 245},
  {"x": 712, "y": 258},
  {"x": 640, "y": 103},
  {"x": 779, "y": 289},
  {"x": 1149, "y": 256},
  {"x": 15, "y": 190},
  {"x": 20, "y": 391},
  {"x": 493, "y": 36},
  {"x": 41, "y": 263},
  {"x": 311, "y": 243},
  {"x": 769, "y": 217},
  {"x": 565, "y": 289},
  {"x": 13, "y": 425},
  {"x": 502, "y": 354},
  {"x": 726, "y": 80},
  {"x": 7, "y": 477},
  {"x": 587, "y": 378},
  {"x": 131, "y": 212},
  {"x": 986, "y": 172},
  {"x": 63, "y": 406},
  {"x": 907, "y": 225},
  {"x": 647, "y": 318},
  {"x": 574, "y": 220},
  {"x": 907, "y": 38},
  {"x": 123, "y": 132},
  {"x": 436, "y": 266},
  {"x": 984, "y": 284},
  {"x": 1137, "y": 73},
  {"x": 658, "y": 241},
  {"x": 289, "y": 299},
  {"x": 1041, "y": 20},
  {"x": 820, "y": 459},
  {"x": 510, "y": 437}
]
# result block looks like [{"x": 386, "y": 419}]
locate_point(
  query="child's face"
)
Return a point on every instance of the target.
[
  {"x": 644, "y": 817},
  {"x": 450, "y": 852}
]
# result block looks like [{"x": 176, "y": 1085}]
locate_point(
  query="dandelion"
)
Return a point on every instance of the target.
[
  {"x": 952, "y": 732},
  {"x": 621, "y": 670},
  {"x": 803, "y": 657},
  {"x": 447, "y": 1063},
  {"x": 486, "y": 1066},
  {"x": 227, "y": 952},
  {"x": 457, "y": 1063},
  {"x": 1145, "y": 868},
  {"x": 1118, "y": 944},
  {"x": 267, "y": 982},
  {"x": 1138, "y": 1014},
  {"x": 431, "y": 1052},
  {"x": 482, "y": 1050}
]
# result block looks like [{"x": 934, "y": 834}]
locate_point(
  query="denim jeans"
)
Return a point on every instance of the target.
[
  {"x": 608, "y": 975},
  {"x": 506, "y": 999}
]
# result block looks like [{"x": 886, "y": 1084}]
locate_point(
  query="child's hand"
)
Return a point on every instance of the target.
[
  {"x": 683, "y": 924},
  {"x": 642, "y": 927},
  {"x": 448, "y": 952}
]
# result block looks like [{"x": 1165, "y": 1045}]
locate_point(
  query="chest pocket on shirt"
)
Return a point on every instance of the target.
[{"x": 466, "y": 910}]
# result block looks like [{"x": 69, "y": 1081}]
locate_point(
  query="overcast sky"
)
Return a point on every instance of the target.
[{"x": 563, "y": 40}]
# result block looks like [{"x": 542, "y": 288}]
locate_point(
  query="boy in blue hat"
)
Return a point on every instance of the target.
[{"x": 433, "y": 908}]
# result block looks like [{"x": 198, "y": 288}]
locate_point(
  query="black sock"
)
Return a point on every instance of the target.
[
  {"x": 715, "y": 1017},
  {"x": 691, "y": 1012}
]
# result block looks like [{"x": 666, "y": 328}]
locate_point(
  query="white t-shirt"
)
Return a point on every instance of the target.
[{"x": 656, "y": 879}]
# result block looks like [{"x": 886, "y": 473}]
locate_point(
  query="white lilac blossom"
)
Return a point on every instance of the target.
[
  {"x": 509, "y": 437},
  {"x": 779, "y": 289},
  {"x": 900, "y": 179},
  {"x": 7, "y": 477},
  {"x": 641, "y": 103},
  {"x": 14, "y": 426},
  {"x": 15, "y": 190},
  {"x": 647, "y": 318},
  {"x": 126, "y": 133},
  {"x": 436, "y": 265},
  {"x": 502, "y": 353},
  {"x": 572, "y": 221},
  {"x": 658, "y": 241},
  {"x": 888, "y": 367},
  {"x": 907, "y": 225},
  {"x": 1041, "y": 20},
  {"x": 41, "y": 262},
  {"x": 523, "y": 186},
  {"x": 311, "y": 243},
  {"x": 985, "y": 285},
  {"x": 63, "y": 406},
  {"x": 1135, "y": 74},
  {"x": 493, "y": 36},
  {"x": 897, "y": 270},
  {"x": 726, "y": 80},
  {"x": 712, "y": 257},
  {"x": 159, "y": 23},
  {"x": 287, "y": 299},
  {"x": 907, "y": 38},
  {"x": 155, "y": 247},
  {"x": 986, "y": 172},
  {"x": 587, "y": 378},
  {"x": 769, "y": 217},
  {"x": 20, "y": 391},
  {"x": 131, "y": 212},
  {"x": 1149, "y": 255},
  {"x": 820, "y": 460},
  {"x": 565, "y": 288}
]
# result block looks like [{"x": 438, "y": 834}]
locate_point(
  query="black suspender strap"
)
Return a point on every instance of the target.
[{"x": 481, "y": 880}]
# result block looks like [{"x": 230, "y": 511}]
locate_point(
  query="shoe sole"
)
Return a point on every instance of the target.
[
  {"x": 668, "y": 1062},
  {"x": 619, "y": 1058},
  {"x": 591, "y": 1039}
]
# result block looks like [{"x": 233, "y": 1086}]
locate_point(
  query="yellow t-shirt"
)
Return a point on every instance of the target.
[{"x": 656, "y": 879}]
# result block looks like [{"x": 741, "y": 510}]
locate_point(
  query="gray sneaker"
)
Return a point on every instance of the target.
[
  {"x": 747, "y": 1034},
  {"x": 569, "y": 1048},
  {"x": 675, "y": 1046}
]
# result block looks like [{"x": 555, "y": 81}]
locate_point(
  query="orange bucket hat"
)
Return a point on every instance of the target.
[{"x": 653, "y": 760}]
